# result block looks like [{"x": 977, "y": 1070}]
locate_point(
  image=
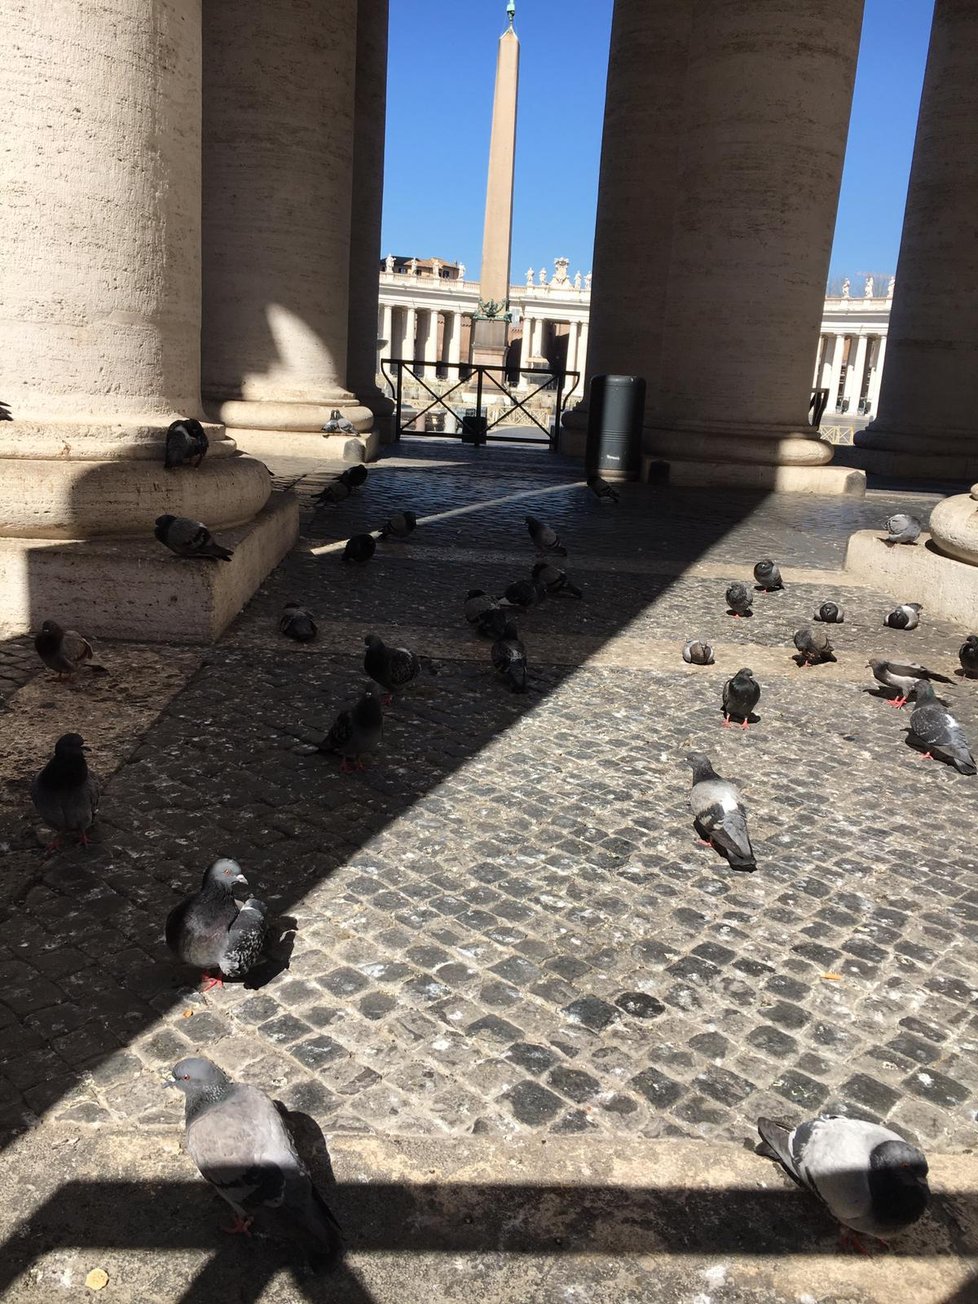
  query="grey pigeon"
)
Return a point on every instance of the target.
[
  {"x": 868, "y": 1178},
  {"x": 399, "y": 526},
  {"x": 902, "y": 528},
  {"x": 768, "y": 576},
  {"x": 239, "y": 1142},
  {"x": 336, "y": 492},
  {"x": 740, "y": 695},
  {"x": 904, "y": 676},
  {"x": 66, "y": 792},
  {"x": 189, "y": 538},
  {"x": 739, "y": 599},
  {"x": 935, "y": 731},
  {"x": 968, "y": 656},
  {"x": 509, "y": 658},
  {"x": 186, "y": 444},
  {"x": 212, "y": 932},
  {"x": 391, "y": 667},
  {"x": 356, "y": 731},
  {"x": 906, "y": 616},
  {"x": 525, "y": 593},
  {"x": 65, "y": 650},
  {"x": 813, "y": 646},
  {"x": 477, "y": 604},
  {"x": 719, "y": 815},
  {"x": 602, "y": 489},
  {"x": 545, "y": 539},
  {"x": 698, "y": 653},
  {"x": 554, "y": 580},
  {"x": 359, "y": 549},
  {"x": 338, "y": 424},
  {"x": 297, "y": 622},
  {"x": 830, "y": 614},
  {"x": 355, "y": 476}
]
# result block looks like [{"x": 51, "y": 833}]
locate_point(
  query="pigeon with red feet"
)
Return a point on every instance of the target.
[
  {"x": 813, "y": 646},
  {"x": 739, "y": 599},
  {"x": 391, "y": 667},
  {"x": 719, "y": 814},
  {"x": 210, "y": 931},
  {"x": 66, "y": 792},
  {"x": 935, "y": 732},
  {"x": 740, "y": 695},
  {"x": 902, "y": 676}
]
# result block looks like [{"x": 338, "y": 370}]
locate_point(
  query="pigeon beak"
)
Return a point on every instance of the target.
[
  {"x": 241, "y": 879},
  {"x": 169, "y": 1082}
]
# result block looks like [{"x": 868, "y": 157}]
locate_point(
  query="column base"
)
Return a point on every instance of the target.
[
  {"x": 135, "y": 589},
  {"x": 258, "y": 414},
  {"x": 835, "y": 481},
  {"x": 273, "y": 446},
  {"x": 919, "y": 573},
  {"x": 941, "y": 464}
]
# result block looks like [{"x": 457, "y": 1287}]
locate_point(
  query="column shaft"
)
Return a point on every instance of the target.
[
  {"x": 855, "y": 372},
  {"x": 454, "y": 342},
  {"x": 386, "y": 332},
  {"x": 834, "y": 377},
  {"x": 876, "y": 374}
]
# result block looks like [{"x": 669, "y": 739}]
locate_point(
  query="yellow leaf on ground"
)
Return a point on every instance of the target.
[{"x": 832, "y": 977}]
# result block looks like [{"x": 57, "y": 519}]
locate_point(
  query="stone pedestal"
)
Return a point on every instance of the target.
[{"x": 489, "y": 341}]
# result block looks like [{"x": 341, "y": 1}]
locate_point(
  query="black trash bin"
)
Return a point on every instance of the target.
[
  {"x": 614, "y": 427},
  {"x": 474, "y": 427}
]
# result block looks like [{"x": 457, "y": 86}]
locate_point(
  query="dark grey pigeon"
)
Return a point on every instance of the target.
[
  {"x": 338, "y": 424},
  {"x": 936, "y": 732},
  {"x": 336, "y": 492},
  {"x": 525, "y": 593},
  {"x": 477, "y": 603},
  {"x": 739, "y": 599},
  {"x": 830, "y": 614},
  {"x": 813, "y": 646},
  {"x": 906, "y": 616},
  {"x": 399, "y": 526},
  {"x": 391, "y": 667},
  {"x": 719, "y": 815},
  {"x": 698, "y": 653},
  {"x": 66, "y": 792},
  {"x": 65, "y": 650},
  {"x": 968, "y": 656},
  {"x": 297, "y": 622},
  {"x": 902, "y": 528},
  {"x": 354, "y": 477},
  {"x": 868, "y": 1178},
  {"x": 904, "y": 676},
  {"x": 210, "y": 931},
  {"x": 356, "y": 731},
  {"x": 554, "y": 580},
  {"x": 509, "y": 658},
  {"x": 545, "y": 539},
  {"x": 239, "y": 1142},
  {"x": 186, "y": 444},
  {"x": 602, "y": 489},
  {"x": 360, "y": 548},
  {"x": 768, "y": 576},
  {"x": 189, "y": 538},
  {"x": 740, "y": 695}
]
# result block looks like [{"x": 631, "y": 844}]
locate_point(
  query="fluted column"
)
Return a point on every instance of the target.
[
  {"x": 834, "y": 354},
  {"x": 855, "y": 371},
  {"x": 876, "y": 373},
  {"x": 928, "y": 404}
]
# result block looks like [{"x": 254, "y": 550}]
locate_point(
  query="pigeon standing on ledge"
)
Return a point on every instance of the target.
[
  {"x": 338, "y": 424},
  {"x": 186, "y": 444},
  {"x": 902, "y": 528},
  {"x": 190, "y": 539}
]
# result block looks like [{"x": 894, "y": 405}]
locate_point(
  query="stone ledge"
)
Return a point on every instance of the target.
[
  {"x": 835, "y": 481},
  {"x": 918, "y": 573},
  {"x": 273, "y": 445}
]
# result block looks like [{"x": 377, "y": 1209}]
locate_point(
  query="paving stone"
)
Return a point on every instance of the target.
[
  {"x": 591, "y": 1012},
  {"x": 531, "y": 1103}
]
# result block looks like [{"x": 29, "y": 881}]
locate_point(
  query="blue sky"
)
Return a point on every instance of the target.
[{"x": 441, "y": 70}]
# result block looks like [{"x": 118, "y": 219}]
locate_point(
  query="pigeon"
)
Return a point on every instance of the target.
[
  {"x": 66, "y": 792},
  {"x": 391, "y": 667},
  {"x": 297, "y": 622},
  {"x": 189, "y": 538},
  {"x": 830, "y": 614},
  {"x": 740, "y": 695},
  {"x": 186, "y": 443},
  {"x": 525, "y": 593},
  {"x": 478, "y": 603},
  {"x": 719, "y": 816},
  {"x": 936, "y": 730},
  {"x": 399, "y": 526},
  {"x": 239, "y": 1142},
  {"x": 698, "y": 653},
  {"x": 509, "y": 658},
  {"x": 554, "y": 580},
  {"x": 360, "y": 548},
  {"x": 867, "y": 1177},
  {"x": 768, "y": 576},
  {"x": 545, "y": 539},
  {"x": 356, "y": 731},
  {"x": 338, "y": 424},
  {"x": 602, "y": 489},
  {"x": 902, "y": 528},
  {"x": 813, "y": 646},
  {"x": 212, "y": 932},
  {"x": 739, "y": 599},
  {"x": 904, "y": 676},
  {"x": 968, "y": 656},
  {"x": 65, "y": 650},
  {"x": 354, "y": 477},
  {"x": 336, "y": 492},
  {"x": 906, "y": 616}
]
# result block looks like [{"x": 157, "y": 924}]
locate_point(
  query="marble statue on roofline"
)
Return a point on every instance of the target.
[
  {"x": 529, "y": 278},
  {"x": 543, "y": 276},
  {"x": 891, "y": 285},
  {"x": 868, "y": 288},
  {"x": 846, "y": 287},
  {"x": 577, "y": 280},
  {"x": 587, "y": 281},
  {"x": 389, "y": 263},
  {"x": 461, "y": 271}
]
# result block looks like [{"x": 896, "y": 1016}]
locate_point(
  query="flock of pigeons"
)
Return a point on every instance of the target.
[{"x": 870, "y": 1179}]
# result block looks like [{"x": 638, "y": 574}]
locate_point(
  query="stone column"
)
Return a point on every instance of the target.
[
  {"x": 834, "y": 377},
  {"x": 101, "y": 326},
  {"x": 407, "y": 350},
  {"x": 454, "y": 343},
  {"x": 279, "y": 99},
  {"x": 582, "y": 346},
  {"x": 819, "y": 354},
  {"x": 876, "y": 374},
  {"x": 430, "y": 343},
  {"x": 855, "y": 372},
  {"x": 386, "y": 331},
  {"x": 928, "y": 405},
  {"x": 571, "y": 363}
]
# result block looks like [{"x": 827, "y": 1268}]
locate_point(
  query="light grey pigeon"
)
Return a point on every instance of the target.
[
  {"x": 338, "y": 424},
  {"x": 768, "y": 576},
  {"x": 739, "y": 599},
  {"x": 602, "y": 489},
  {"x": 391, "y": 667},
  {"x": 719, "y": 815},
  {"x": 66, "y": 792},
  {"x": 871, "y": 1180},
  {"x": 936, "y": 732},
  {"x": 906, "y": 616},
  {"x": 189, "y": 538},
  {"x": 399, "y": 525},
  {"x": 509, "y": 658},
  {"x": 356, "y": 731},
  {"x": 210, "y": 931},
  {"x": 555, "y": 580},
  {"x": 902, "y": 528},
  {"x": 904, "y": 676},
  {"x": 813, "y": 646},
  {"x": 740, "y": 695},
  {"x": 545, "y": 538},
  {"x": 186, "y": 444},
  {"x": 239, "y": 1142},
  {"x": 336, "y": 492},
  {"x": 830, "y": 613},
  {"x": 65, "y": 650},
  {"x": 968, "y": 656},
  {"x": 697, "y": 652}
]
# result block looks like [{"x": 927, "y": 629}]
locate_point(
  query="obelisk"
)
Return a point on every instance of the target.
[{"x": 489, "y": 332}]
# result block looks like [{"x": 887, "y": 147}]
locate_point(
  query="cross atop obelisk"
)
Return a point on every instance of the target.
[{"x": 497, "y": 235}]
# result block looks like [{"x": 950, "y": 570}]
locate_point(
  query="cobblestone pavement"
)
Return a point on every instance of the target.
[{"x": 505, "y": 924}]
